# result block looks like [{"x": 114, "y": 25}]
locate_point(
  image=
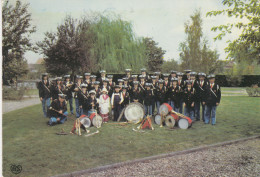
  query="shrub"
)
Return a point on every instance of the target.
[
  {"x": 13, "y": 93},
  {"x": 253, "y": 91}
]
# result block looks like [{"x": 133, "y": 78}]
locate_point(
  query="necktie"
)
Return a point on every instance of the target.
[
  {"x": 201, "y": 83},
  {"x": 211, "y": 85}
]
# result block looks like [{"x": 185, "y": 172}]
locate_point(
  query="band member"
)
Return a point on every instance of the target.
[
  {"x": 111, "y": 84},
  {"x": 87, "y": 80},
  {"x": 174, "y": 94},
  {"x": 135, "y": 78},
  {"x": 93, "y": 80},
  {"x": 83, "y": 99},
  {"x": 92, "y": 103},
  {"x": 104, "y": 105},
  {"x": 166, "y": 80},
  {"x": 105, "y": 85},
  {"x": 187, "y": 74},
  {"x": 157, "y": 74},
  {"x": 160, "y": 94},
  {"x": 193, "y": 79},
  {"x": 200, "y": 94},
  {"x": 148, "y": 99},
  {"x": 68, "y": 91},
  {"x": 154, "y": 85},
  {"x": 97, "y": 89},
  {"x": 103, "y": 76},
  {"x": 126, "y": 83},
  {"x": 116, "y": 101},
  {"x": 120, "y": 84},
  {"x": 142, "y": 81},
  {"x": 144, "y": 73},
  {"x": 181, "y": 84},
  {"x": 128, "y": 75},
  {"x": 44, "y": 87},
  {"x": 77, "y": 90},
  {"x": 126, "y": 96},
  {"x": 58, "y": 110},
  {"x": 173, "y": 75},
  {"x": 211, "y": 100},
  {"x": 136, "y": 93},
  {"x": 189, "y": 101},
  {"x": 58, "y": 88}
]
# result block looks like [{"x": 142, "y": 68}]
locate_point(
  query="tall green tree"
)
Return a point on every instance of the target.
[
  {"x": 115, "y": 45},
  {"x": 195, "y": 52},
  {"x": 16, "y": 31},
  {"x": 63, "y": 50},
  {"x": 154, "y": 54},
  {"x": 169, "y": 65},
  {"x": 248, "y": 14}
]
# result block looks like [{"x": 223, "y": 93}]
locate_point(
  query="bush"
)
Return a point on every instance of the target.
[
  {"x": 10, "y": 93},
  {"x": 253, "y": 91}
]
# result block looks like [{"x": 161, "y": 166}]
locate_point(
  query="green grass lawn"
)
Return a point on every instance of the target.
[
  {"x": 227, "y": 89},
  {"x": 28, "y": 141}
]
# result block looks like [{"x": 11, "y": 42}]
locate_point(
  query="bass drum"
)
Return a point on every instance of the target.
[
  {"x": 134, "y": 112},
  {"x": 185, "y": 123},
  {"x": 169, "y": 121},
  {"x": 157, "y": 119},
  {"x": 96, "y": 120},
  {"x": 164, "y": 109},
  {"x": 85, "y": 121}
]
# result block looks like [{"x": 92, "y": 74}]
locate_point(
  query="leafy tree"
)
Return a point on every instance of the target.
[
  {"x": 17, "y": 28},
  {"x": 154, "y": 54},
  {"x": 169, "y": 65},
  {"x": 63, "y": 50},
  {"x": 248, "y": 11},
  {"x": 195, "y": 52}
]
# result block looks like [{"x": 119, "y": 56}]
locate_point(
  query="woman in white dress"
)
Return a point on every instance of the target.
[{"x": 104, "y": 105}]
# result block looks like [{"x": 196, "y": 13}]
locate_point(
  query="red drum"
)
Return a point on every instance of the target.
[
  {"x": 85, "y": 121},
  {"x": 185, "y": 123},
  {"x": 96, "y": 120},
  {"x": 164, "y": 109}
]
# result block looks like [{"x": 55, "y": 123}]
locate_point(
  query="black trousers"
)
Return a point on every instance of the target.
[{"x": 117, "y": 111}]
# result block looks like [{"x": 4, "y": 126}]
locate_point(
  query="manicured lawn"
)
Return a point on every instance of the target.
[
  {"x": 28, "y": 141},
  {"x": 224, "y": 89}
]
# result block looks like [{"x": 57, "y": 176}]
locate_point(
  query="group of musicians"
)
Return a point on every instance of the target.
[{"x": 186, "y": 93}]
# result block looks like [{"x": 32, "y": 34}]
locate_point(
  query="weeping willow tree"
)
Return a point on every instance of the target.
[{"x": 115, "y": 46}]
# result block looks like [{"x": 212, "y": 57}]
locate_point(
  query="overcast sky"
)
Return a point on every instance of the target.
[{"x": 163, "y": 20}]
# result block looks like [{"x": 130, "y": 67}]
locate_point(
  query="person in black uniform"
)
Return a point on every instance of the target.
[
  {"x": 97, "y": 89},
  {"x": 173, "y": 75},
  {"x": 166, "y": 82},
  {"x": 58, "y": 110},
  {"x": 87, "y": 80},
  {"x": 93, "y": 80},
  {"x": 77, "y": 90},
  {"x": 148, "y": 99},
  {"x": 136, "y": 93},
  {"x": 116, "y": 101},
  {"x": 144, "y": 73},
  {"x": 106, "y": 86},
  {"x": 83, "y": 99},
  {"x": 126, "y": 83},
  {"x": 103, "y": 77},
  {"x": 128, "y": 75},
  {"x": 211, "y": 100},
  {"x": 187, "y": 74},
  {"x": 58, "y": 88},
  {"x": 44, "y": 87},
  {"x": 135, "y": 78},
  {"x": 157, "y": 74},
  {"x": 174, "y": 94},
  {"x": 189, "y": 92},
  {"x": 181, "y": 84},
  {"x": 201, "y": 85},
  {"x": 154, "y": 85},
  {"x": 120, "y": 84},
  {"x": 126, "y": 96},
  {"x": 111, "y": 84},
  {"x": 160, "y": 94},
  {"x": 68, "y": 91},
  {"x": 142, "y": 81},
  {"x": 92, "y": 104}
]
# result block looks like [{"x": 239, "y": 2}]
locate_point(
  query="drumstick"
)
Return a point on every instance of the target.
[{"x": 121, "y": 115}]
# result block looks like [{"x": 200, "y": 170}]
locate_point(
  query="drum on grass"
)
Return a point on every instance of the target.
[
  {"x": 157, "y": 119},
  {"x": 164, "y": 109},
  {"x": 169, "y": 121},
  {"x": 96, "y": 120},
  {"x": 185, "y": 123},
  {"x": 85, "y": 121},
  {"x": 134, "y": 112}
]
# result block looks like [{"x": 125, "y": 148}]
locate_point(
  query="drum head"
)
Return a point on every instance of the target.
[
  {"x": 97, "y": 121},
  {"x": 85, "y": 121},
  {"x": 183, "y": 123},
  {"x": 157, "y": 119},
  {"x": 134, "y": 112},
  {"x": 163, "y": 109},
  {"x": 170, "y": 121}
]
